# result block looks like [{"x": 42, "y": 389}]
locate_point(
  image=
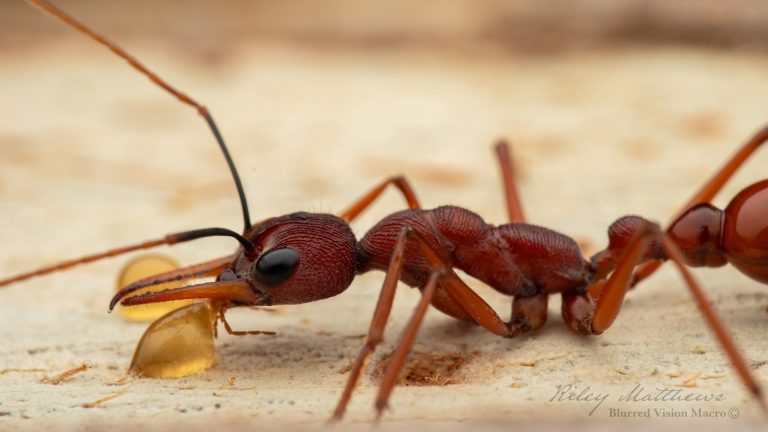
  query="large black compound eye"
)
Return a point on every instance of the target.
[{"x": 276, "y": 266}]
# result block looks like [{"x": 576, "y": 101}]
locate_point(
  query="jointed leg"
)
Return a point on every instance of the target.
[
  {"x": 644, "y": 271},
  {"x": 366, "y": 200},
  {"x": 530, "y": 313},
  {"x": 229, "y": 330},
  {"x": 397, "y": 360},
  {"x": 379, "y": 321},
  {"x": 588, "y": 318},
  {"x": 714, "y": 322},
  {"x": 514, "y": 206},
  {"x": 480, "y": 311},
  {"x": 709, "y": 190},
  {"x": 713, "y": 186}
]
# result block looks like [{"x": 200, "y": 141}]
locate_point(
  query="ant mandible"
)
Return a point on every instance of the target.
[{"x": 304, "y": 257}]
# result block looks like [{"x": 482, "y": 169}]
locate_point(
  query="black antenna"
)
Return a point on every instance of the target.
[
  {"x": 66, "y": 19},
  {"x": 170, "y": 239}
]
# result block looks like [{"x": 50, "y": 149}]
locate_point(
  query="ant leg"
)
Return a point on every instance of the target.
[
  {"x": 529, "y": 313},
  {"x": 239, "y": 332},
  {"x": 378, "y": 322},
  {"x": 366, "y": 200},
  {"x": 709, "y": 190},
  {"x": 713, "y": 186},
  {"x": 714, "y": 321},
  {"x": 527, "y": 316},
  {"x": 514, "y": 208},
  {"x": 474, "y": 305},
  {"x": 588, "y": 318},
  {"x": 397, "y": 360},
  {"x": 463, "y": 296},
  {"x": 514, "y": 205},
  {"x": 612, "y": 295},
  {"x": 644, "y": 271}
]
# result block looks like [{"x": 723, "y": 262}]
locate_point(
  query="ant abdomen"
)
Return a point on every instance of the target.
[{"x": 745, "y": 231}]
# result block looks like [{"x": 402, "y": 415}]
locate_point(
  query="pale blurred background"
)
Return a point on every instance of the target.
[
  {"x": 523, "y": 25},
  {"x": 613, "y": 107}
]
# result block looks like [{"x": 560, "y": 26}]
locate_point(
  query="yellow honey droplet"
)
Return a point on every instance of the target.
[
  {"x": 139, "y": 268},
  {"x": 178, "y": 344}
]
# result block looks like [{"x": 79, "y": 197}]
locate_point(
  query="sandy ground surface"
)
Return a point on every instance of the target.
[{"x": 94, "y": 157}]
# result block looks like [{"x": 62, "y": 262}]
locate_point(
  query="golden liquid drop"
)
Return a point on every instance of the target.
[
  {"x": 139, "y": 268},
  {"x": 178, "y": 344}
]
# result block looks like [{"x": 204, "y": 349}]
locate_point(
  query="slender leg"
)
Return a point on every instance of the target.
[
  {"x": 238, "y": 332},
  {"x": 475, "y": 306},
  {"x": 514, "y": 205},
  {"x": 710, "y": 189},
  {"x": 713, "y": 186},
  {"x": 397, "y": 360},
  {"x": 644, "y": 271},
  {"x": 578, "y": 313},
  {"x": 480, "y": 311},
  {"x": 612, "y": 296},
  {"x": 530, "y": 313},
  {"x": 714, "y": 321},
  {"x": 366, "y": 200},
  {"x": 379, "y": 321}
]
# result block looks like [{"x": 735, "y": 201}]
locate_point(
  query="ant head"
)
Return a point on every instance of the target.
[
  {"x": 300, "y": 257},
  {"x": 697, "y": 232}
]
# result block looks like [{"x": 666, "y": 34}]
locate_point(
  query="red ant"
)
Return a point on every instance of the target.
[{"x": 303, "y": 257}]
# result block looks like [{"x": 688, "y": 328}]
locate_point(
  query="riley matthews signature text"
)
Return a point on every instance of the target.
[{"x": 572, "y": 393}]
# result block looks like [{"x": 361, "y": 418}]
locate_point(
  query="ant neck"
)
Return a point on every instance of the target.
[{"x": 620, "y": 233}]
